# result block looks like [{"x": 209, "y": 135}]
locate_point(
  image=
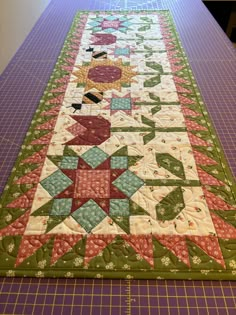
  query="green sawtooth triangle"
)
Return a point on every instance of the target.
[
  {"x": 170, "y": 206},
  {"x": 224, "y": 193},
  {"x": 54, "y": 221},
  {"x": 228, "y": 246},
  {"x": 228, "y": 216},
  {"x": 55, "y": 159},
  {"x": 123, "y": 222},
  {"x": 8, "y": 259},
  {"x": 135, "y": 209},
  {"x": 44, "y": 210},
  {"x": 15, "y": 214},
  {"x": 164, "y": 258},
  {"x": 170, "y": 163},
  {"x": 69, "y": 152},
  {"x": 41, "y": 255},
  {"x": 133, "y": 159},
  {"x": 74, "y": 258},
  {"x": 121, "y": 152},
  {"x": 199, "y": 259}
]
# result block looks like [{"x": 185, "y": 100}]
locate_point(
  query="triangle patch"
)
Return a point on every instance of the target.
[
  {"x": 194, "y": 140},
  {"x": 184, "y": 100},
  {"x": 57, "y": 100},
  {"x": 192, "y": 125},
  {"x": 24, "y": 201},
  {"x": 52, "y": 112},
  {"x": 62, "y": 244},
  {"x": 44, "y": 139},
  {"x": 209, "y": 244},
  {"x": 49, "y": 125},
  {"x": 60, "y": 89},
  {"x": 17, "y": 227},
  {"x": 68, "y": 68},
  {"x": 207, "y": 179},
  {"x": 181, "y": 89},
  {"x": 29, "y": 245},
  {"x": 175, "y": 68},
  {"x": 180, "y": 80},
  {"x": 203, "y": 159},
  {"x": 216, "y": 203},
  {"x": 64, "y": 79},
  {"x": 142, "y": 245},
  {"x": 37, "y": 157},
  {"x": 30, "y": 178},
  {"x": 177, "y": 245},
  {"x": 189, "y": 112},
  {"x": 95, "y": 244},
  {"x": 223, "y": 229}
]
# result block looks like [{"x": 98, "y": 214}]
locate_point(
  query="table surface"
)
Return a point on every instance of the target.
[{"x": 213, "y": 61}]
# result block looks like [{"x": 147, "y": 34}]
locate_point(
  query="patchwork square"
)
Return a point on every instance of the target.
[
  {"x": 122, "y": 51},
  {"x": 56, "y": 183},
  {"x": 92, "y": 184},
  {"x": 128, "y": 183},
  {"x": 61, "y": 207},
  {"x": 119, "y": 207},
  {"x": 119, "y": 162},
  {"x": 121, "y": 103},
  {"x": 94, "y": 156},
  {"x": 69, "y": 162},
  {"x": 89, "y": 215}
]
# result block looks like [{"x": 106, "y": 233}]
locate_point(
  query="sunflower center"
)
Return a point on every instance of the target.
[{"x": 104, "y": 74}]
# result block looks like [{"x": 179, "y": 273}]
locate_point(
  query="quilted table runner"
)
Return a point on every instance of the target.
[{"x": 120, "y": 174}]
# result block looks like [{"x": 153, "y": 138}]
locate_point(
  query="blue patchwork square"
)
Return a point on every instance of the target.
[
  {"x": 69, "y": 162},
  {"x": 121, "y": 103},
  {"x": 122, "y": 51},
  {"x": 89, "y": 215},
  {"x": 56, "y": 183},
  {"x": 119, "y": 207},
  {"x": 61, "y": 207},
  {"x": 119, "y": 162}
]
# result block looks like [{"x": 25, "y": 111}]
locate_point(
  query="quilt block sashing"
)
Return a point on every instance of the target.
[{"x": 121, "y": 174}]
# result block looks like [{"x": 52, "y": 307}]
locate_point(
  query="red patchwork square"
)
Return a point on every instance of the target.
[{"x": 92, "y": 184}]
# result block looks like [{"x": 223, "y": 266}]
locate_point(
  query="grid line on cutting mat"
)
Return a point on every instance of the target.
[{"x": 32, "y": 66}]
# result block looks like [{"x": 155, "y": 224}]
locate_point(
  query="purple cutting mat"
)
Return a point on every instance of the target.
[{"x": 213, "y": 60}]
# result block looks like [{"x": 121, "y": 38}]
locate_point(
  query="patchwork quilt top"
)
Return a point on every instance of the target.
[{"x": 120, "y": 174}]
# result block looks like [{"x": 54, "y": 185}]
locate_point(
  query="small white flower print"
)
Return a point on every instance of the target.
[
  {"x": 110, "y": 266},
  {"x": 10, "y": 273},
  {"x": 165, "y": 260},
  {"x": 42, "y": 264},
  {"x": 232, "y": 264},
  {"x": 196, "y": 260},
  {"x": 69, "y": 275},
  {"x": 10, "y": 247},
  {"x": 39, "y": 274},
  {"x": 8, "y": 217},
  {"x": 205, "y": 272},
  {"x": 78, "y": 261},
  {"x": 139, "y": 257},
  {"x": 126, "y": 267}
]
